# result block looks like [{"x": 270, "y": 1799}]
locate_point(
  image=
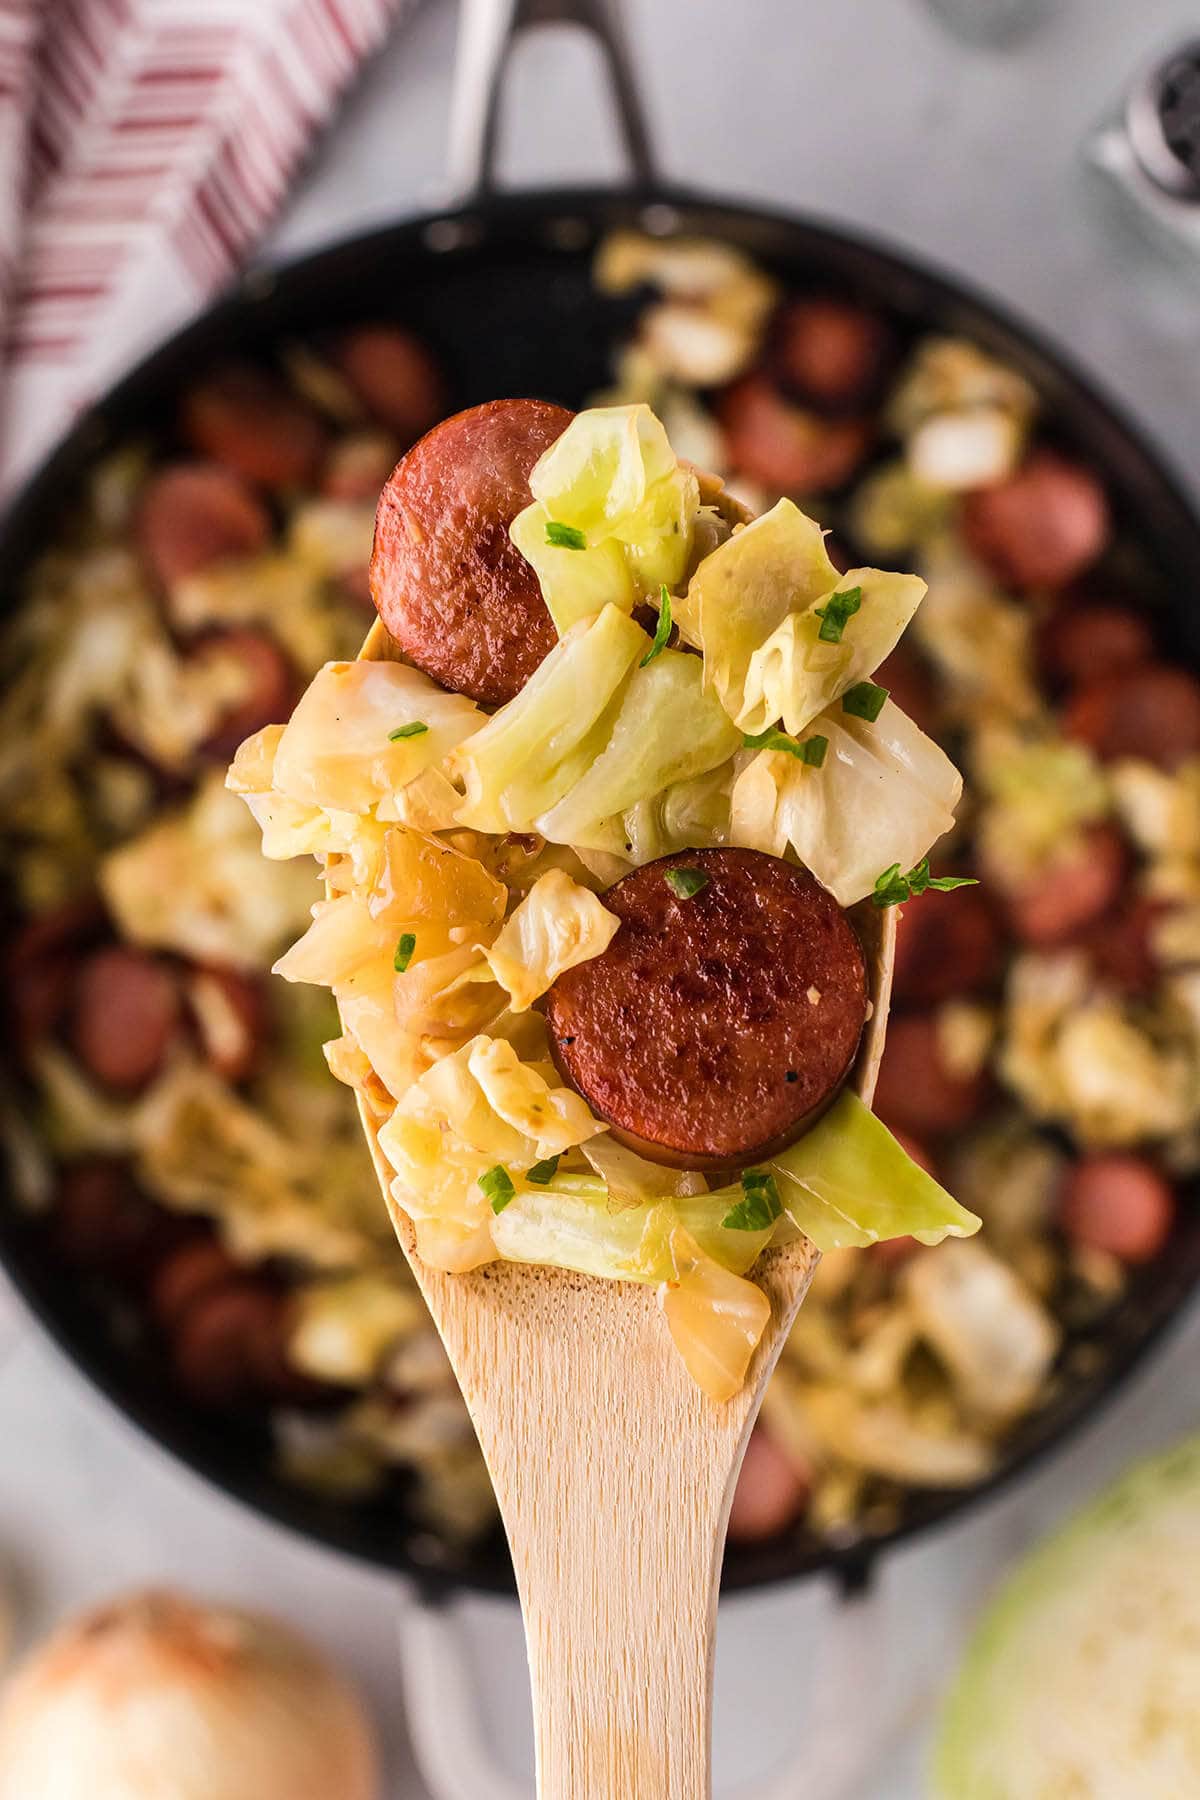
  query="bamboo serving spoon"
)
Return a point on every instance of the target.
[{"x": 613, "y": 1473}]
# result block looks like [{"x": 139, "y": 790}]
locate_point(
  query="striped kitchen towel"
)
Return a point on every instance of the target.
[{"x": 144, "y": 147}]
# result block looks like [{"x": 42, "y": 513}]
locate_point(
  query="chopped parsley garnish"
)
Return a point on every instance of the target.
[
  {"x": 662, "y": 630},
  {"x": 892, "y": 888},
  {"x": 416, "y": 728},
  {"x": 759, "y": 1206},
  {"x": 404, "y": 952},
  {"x": 686, "y": 882},
  {"x": 542, "y": 1172},
  {"x": 806, "y": 750},
  {"x": 864, "y": 700},
  {"x": 564, "y": 537},
  {"x": 497, "y": 1184},
  {"x": 835, "y": 612}
]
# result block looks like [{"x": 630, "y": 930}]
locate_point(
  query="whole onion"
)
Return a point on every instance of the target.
[{"x": 157, "y": 1697}]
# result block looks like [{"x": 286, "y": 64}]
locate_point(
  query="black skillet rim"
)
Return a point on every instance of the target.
[{"x": 546, "y": 216}]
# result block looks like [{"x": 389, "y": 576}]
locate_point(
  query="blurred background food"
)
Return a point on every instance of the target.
[
  {"x": 157, "y": 1694},
  {"x": 181, "y": 1149}
]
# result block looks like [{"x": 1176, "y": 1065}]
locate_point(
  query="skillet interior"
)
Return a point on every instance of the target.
[{"x": 502, "y": 294}]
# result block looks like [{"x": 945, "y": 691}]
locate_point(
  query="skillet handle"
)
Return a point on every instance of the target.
[{"x": 488, "y": 30}]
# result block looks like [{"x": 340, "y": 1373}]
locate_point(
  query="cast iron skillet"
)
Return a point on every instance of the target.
[{"x": 500, "y": 289}]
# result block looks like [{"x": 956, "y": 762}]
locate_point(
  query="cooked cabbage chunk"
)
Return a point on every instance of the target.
[
  {"x": 884, "y": 794},
  {"x": 557, "y": 925},
  {"x": 757, "y": 607},
  {"x": 531, "y": 752},
  {"x": 666, "y": 730},
  {"x": 613, "y": 478}
]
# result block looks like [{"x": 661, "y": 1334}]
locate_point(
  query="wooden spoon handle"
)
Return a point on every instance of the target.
[
  {"x": 621, "y": 1623},
  {"x": 613, "y": 1474}
]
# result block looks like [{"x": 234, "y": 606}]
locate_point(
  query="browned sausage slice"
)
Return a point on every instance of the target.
[
  {"x": 394, "y": 376},
  {"x": 269, "y": 686},
  {"x": 1043, "y": 526},
  {"x": 1121, "y": 945},
  {"x": 196, "y": 514},
  {"x": 126, "y": 1013},
  {"x": 917, "y": 1092},
  {"x": 786, "y": 448},
  {"x": 251, "y": 422},
  {"x": 907, "y": 680},
  {"x": 193, "y": 1268},
  {"x": 219, "y": 1343},
  {"x": 99, "y": 1220},
  {"x": 231, "y": 1014},
  {"x": 1152, "y": 712},
  {"x": 946, "y": 944},
  {"x": 830, "y": 351},
  {"x": 770, "y": 1493},
  {"x": 1118, "y": 1203},
  {"x": 714, "y": 1028},
  {"x": 1084, "y": 643},
  {"x": 449, "y": 583},
  {"x": 1071, "y": 893}
]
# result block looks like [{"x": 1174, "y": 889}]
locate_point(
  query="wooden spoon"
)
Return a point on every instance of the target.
[{"x": 614, "y": 1476}]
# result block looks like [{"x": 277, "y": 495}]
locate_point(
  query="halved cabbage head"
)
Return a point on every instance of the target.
[
  {"x": 628, "y": 507},
  {"x": 1083, "y": 1677},
  {"x": 782, "y": 633}
]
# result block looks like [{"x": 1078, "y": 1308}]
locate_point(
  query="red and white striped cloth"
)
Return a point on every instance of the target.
[{"x": 144, "y": 147}]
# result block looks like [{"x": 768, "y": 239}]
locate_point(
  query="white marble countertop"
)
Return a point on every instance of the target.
[{"x": 869, "y": 113}]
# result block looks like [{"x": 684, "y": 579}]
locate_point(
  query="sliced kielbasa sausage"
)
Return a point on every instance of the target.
[
  {"x": 194, "y": 514},
  {"x": 449, "y": 583},
  {"x": 232, "y": 1017},
  {"x": 265, "y": 676},
  {"x": 946, "y": 944},
  {"x": 228, "y": 1340},
  {"x": 40, "y": 966},
  {"x": 1151, "y": 712},
  {"x": 1071, "y": 892},
  {"x": 1043, "y": 526},
  {"x": 906, "y": 678},
  {"x": 831, "y": 351},
  {"x": 1085, "y": 642},
  {"x": 248, "y": 420},
  {"x": 100, "y": 1221},
  {"x": 191, "y": 1269},
  {"x": 770, "y": 1493},
  {"x": 1119, "y": 1203},
  {"x": 126, "y": 1013},
  {"x": 394, "y": 376},
  {"x": 718, "y": 1023},
  {"x": 1121, "y": 944},
  {"x": 785, "y": 447},
  {"x": 917, "y": 1091}
]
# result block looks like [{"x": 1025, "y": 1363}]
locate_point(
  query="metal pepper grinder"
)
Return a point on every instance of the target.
[{"x": 1150, "y": 154}]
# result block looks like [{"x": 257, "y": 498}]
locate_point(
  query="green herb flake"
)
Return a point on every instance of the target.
[
  {"x": 497, "y": 1184},
  {"x": 662, "y": 630},
  {"x": 836, "y": 611},
  {"x": 686, "y": 882},
  {"x": 564, "y": 537},
  {"x": 892, "y": 888},
  {"x": 807, "y": 750},
  {"x": 543, "y": 1172},
  {"x": 416, "y": 729},
  {"x": 864, "y": 700},
  {"x": 404, "y": 952},
  {"x": 759, "y": 1206}
]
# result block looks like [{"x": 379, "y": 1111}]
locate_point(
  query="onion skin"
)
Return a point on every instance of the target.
[{"x": 154, "y": 1696}]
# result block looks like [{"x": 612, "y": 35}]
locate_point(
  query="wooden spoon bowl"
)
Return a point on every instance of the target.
[{"x": 613, "y": 1472}]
